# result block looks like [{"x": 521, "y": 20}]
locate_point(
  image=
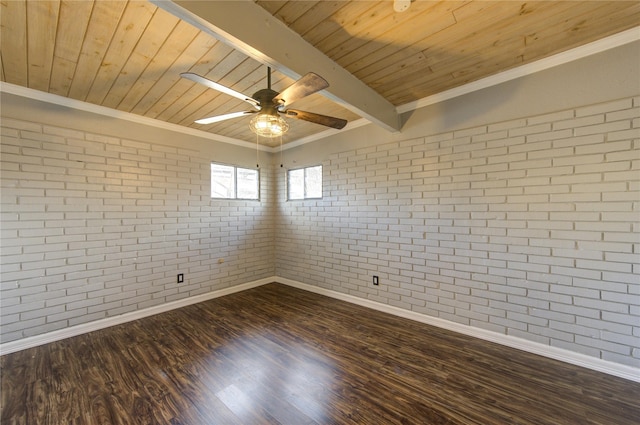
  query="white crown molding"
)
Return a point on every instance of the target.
[
  {"x": 34, "y": 341},
  {"x": 114, "y": 113},
  {"x": 598, "y": 46},
  {"x": 138, "y": 119},
  {"x": 326, "y": 133},
  {"x": 577, "y": 359}
]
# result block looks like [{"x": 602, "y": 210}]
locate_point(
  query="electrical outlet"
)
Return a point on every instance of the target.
[
  {"x": 375, "y": 280},
  {"x": 180, "y": 277}
]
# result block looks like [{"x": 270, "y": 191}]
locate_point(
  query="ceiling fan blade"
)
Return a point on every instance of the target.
[
  {"x": 308, "y": 84},
  {"x": 337, "y": 123},
  {"x": 219, "y": 87},
  {"x": 219, "y": 118}
]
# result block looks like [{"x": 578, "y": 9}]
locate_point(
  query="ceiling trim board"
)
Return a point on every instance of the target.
[
  {"x": 114, "y": 113},
  {"x": 326, "y": 133},
  {"x": 607, "y": 43},
  {"x": 249, "y": 28},
  {"x": 602, "y": 45}
]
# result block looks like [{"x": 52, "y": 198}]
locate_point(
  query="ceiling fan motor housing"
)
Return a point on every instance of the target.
[{"x": 267, "y": 105}]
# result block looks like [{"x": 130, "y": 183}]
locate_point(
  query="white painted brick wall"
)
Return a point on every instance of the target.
[
  {"x": 529, "y": 228},
  {"x": 95, "y": 226}
]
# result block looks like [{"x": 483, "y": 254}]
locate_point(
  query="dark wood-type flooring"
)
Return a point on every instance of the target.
[{"x": 279, "y": 355}]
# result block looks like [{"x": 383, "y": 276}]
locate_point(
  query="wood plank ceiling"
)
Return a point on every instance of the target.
[{"x": 127, "y": 55}]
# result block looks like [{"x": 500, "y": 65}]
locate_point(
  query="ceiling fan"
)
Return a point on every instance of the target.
[{"x": 269, "y": 104}]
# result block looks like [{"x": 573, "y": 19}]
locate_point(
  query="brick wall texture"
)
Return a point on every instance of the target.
[
  {"x": 95, "y": 226},
  {"x": 529, "y": 228}
]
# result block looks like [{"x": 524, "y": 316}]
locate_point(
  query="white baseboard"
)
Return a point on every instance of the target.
[
  {"x": 34, "y": 341},
  {"x": 615, "y": 369}
]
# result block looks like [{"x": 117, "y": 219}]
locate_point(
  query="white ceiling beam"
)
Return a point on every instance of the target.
[{"x": 252, "y": 30}]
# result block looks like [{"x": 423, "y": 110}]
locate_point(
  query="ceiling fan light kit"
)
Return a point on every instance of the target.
[
  {"x": 269, "y": 104},
  {"x": 266, "y": 125}
]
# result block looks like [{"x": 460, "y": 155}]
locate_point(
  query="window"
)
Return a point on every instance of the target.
[
  {"x": 229, "y": 182},
  {"x": 305, "y": 183}
]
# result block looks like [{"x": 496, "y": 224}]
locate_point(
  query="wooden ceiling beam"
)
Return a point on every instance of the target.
[{"x": 252, "y": 30}]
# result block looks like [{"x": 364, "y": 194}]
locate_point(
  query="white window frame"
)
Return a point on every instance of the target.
[
  {"x": 234, "y": 194},
  {"x": 304, "y": 179}
]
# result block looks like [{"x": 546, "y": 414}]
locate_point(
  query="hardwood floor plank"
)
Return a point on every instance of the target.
[{"x": 279, "y": 355}]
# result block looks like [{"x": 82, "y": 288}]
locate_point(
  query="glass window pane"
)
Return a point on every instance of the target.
[
  {"x": 313, "y": 182},
  {"x": 296, "y": 184},
  {"x": 222, "y": 181},
  {"x": 248, "y": 184}
]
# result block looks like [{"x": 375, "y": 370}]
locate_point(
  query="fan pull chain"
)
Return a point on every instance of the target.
[
  {"x": 281, "y": 151},
  {"x": 257, "y": 151}
]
